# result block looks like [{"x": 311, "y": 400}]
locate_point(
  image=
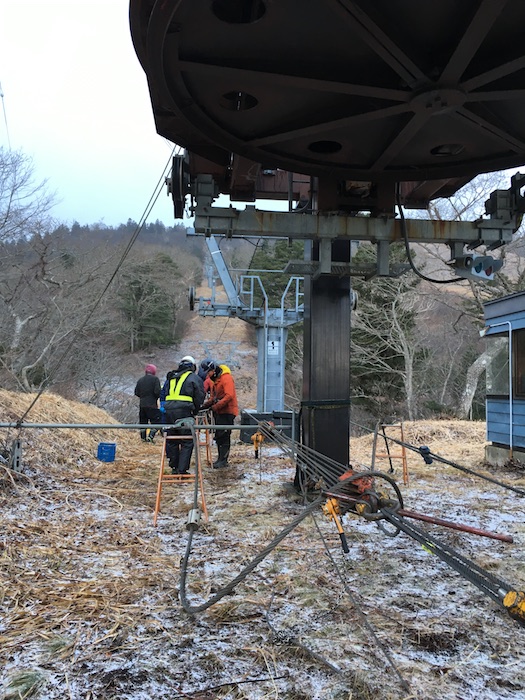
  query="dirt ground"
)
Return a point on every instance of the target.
[{"x": 91, "y": 588}]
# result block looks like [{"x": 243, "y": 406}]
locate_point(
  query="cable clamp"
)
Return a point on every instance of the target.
[{"x": 424, "y": 451}]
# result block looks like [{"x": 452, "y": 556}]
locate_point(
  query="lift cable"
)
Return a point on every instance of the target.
[
  {"x": 437, "y": 458},
  {"x": 336, "y": 482},
  {"x": 430, "y": 457},
  {"x": 5, "y": 117},
  {"x": 319, "y": 467},
  {"x": 489, "y": 584},
  {"x": 153, "y": 199},
  {"x": 364, "y": 620},
  {"x": 326, "y": 474},
  {"x": 229, "y": 587}
]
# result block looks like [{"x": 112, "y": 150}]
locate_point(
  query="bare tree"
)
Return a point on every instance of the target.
[
  {"x": 24, "y": 203},
  {"x": 474, "y": 372},
  {"x": 385, "y": 340}
]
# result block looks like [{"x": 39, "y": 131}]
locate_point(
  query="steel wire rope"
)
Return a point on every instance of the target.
[
  {"x": 5, "y": 117},
  {"x": 449, "y": 463},
  {"x": 364, "y": 620},
  {"x": 330, "y": 469},
  {"x": 222, "y": 332},
  {"x": 318, "y": 465},
  {"x": 228, "y": 588},
  {"x": 487, "y": 582},
  {"x": 491, "y": 585},
  {"x": 151, "y": 203}
]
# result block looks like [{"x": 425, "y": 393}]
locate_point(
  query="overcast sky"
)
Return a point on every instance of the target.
[{"x": 76, "y": 101}]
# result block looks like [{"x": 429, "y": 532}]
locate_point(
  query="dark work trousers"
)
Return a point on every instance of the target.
[
  {"x": 223, "y": 437},
  {"x": 147, "y": 415},
  {"x": 179, "y": 452}
]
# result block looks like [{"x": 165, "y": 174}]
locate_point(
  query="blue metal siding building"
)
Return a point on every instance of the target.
[{"x": 505, "y": 403}]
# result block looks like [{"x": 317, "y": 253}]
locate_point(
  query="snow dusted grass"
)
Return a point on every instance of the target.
[{"x": 90, "y": 606}]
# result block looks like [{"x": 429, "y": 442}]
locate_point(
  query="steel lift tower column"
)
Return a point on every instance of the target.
[{"x": 326, "y": 365}]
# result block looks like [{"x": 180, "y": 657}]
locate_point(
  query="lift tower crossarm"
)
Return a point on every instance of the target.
[{"x": 258, "y": 223}]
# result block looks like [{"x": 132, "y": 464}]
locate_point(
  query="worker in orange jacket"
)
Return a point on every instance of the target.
[{"x": 223, "y": 403}]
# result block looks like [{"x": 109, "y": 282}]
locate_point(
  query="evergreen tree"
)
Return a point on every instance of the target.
[
  {"x": 267, "y": 263},
  {"x": 148, "y": 303}
]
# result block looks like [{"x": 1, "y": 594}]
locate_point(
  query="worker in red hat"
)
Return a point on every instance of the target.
[{"x": 148, "y": 391}]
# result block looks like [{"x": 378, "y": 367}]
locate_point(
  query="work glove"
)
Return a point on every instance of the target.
[
  {"x": 206, "y": 405},
  {"x": 162, "y": 408}
]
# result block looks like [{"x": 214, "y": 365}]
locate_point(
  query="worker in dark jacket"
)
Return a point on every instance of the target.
[
  {"x": 148, "y": 391},
  {"x": 182, "y": 395},
  {"x": 205, "y": 375},
  {"x": 203, "y": 368}
]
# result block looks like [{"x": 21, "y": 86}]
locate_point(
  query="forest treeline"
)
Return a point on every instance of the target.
[
  {"x": 72, "y": 304},
  {"x": 75, "y": 299}
]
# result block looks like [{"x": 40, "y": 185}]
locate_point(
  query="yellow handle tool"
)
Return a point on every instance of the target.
[
  {"x": 331, "y": 509},
  {"x": 514, "y": 603}
]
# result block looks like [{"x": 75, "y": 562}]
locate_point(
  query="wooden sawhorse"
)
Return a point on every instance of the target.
[{"x": 205, "y": 436}]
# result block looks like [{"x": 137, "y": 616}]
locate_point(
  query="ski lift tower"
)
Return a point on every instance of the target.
[
  {"x": 399, "y": 104},
  {"x": 271, "y": 323}
]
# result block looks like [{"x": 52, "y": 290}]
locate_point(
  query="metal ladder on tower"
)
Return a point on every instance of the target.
[{"x": 401, "y": 454}]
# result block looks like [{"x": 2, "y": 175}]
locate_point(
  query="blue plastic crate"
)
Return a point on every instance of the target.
[{"x": 106, "y": 451}]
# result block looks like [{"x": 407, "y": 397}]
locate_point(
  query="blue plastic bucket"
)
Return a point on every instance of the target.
[{"x": 106, "y": 451}]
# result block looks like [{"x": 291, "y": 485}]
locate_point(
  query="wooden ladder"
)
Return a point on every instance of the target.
[
  {"x": 400, "y": 452},
  {"x": 181, "y": 479}
]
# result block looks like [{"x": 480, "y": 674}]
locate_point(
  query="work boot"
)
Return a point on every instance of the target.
[{"x": 224, "y": 453}]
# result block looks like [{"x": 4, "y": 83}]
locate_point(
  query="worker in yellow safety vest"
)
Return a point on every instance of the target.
[{"x": 181, "y": 397}]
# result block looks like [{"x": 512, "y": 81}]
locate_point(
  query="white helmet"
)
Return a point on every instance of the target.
[{"x": 188, "y": 361}]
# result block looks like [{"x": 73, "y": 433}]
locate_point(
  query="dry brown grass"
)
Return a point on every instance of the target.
[{"x": 90, "y": 588}]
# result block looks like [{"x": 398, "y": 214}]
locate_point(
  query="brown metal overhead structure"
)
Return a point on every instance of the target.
[{"x": 383, "y": 91}]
